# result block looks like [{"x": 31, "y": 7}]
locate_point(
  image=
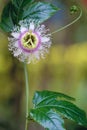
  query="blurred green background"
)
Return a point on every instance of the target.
[{"x": 64, "y": 69}]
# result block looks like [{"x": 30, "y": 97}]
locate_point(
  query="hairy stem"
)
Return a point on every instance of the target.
[{"x": 27, "y": 95}]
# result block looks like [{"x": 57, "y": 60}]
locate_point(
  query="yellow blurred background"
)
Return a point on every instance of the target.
[{"x": 63, "y": 70}]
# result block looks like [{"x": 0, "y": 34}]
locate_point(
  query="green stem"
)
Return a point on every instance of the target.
[
  {"x": 66, "y": 26},
  {"x": 27, "y": 95}
]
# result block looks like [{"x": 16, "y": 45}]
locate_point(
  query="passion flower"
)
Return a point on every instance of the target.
[{"x": 29, "y": 41}]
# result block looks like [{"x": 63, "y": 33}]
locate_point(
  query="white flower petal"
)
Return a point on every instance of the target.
[
  {"x": 17, "y": 52},
  {"x": 15, "y": 35},
  {"x": 16, "y": 44},
  {"x": 23, "y": 29},
  {"x": 32, "y": 27},
  {"x": 36, "y": 54},
  {"x": 45, "y": 39}
]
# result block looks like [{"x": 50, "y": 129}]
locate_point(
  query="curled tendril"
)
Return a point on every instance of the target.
[
  {"x": 66, "y": 26},
  {"x": 73, "y": 9}
]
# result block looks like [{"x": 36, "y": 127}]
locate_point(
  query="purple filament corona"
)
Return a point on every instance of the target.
[{"x": 27, "y": 50}]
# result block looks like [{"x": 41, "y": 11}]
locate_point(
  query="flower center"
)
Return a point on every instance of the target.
[{"x": 29, "y": 40}]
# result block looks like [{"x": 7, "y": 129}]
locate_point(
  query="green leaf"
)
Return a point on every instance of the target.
[
  {"x": 17, "y": 10},
  {"x": 6, "y": 19},
  {"x": 48, "y": 101},
  {"x": 12, "y": 13},
  {"x": 19, "y": 6},
  {"x": 48, "y": 119},
  {"x": 21, "y": 3},
  {"x": 71, "y": 111},
  {"x": 27, "y": 2},
  {"x": 66, "y": 109},
  {"x": 26, "y": 9},
  {"x": 40, "y": 11},
  {"x": 47, "y": 96}
]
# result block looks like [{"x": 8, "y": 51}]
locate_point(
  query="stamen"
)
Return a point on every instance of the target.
[{"x": 29, "y": 40}]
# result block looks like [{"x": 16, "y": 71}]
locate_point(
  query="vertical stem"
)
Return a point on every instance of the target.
[{"x": 27, "y": 94}]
